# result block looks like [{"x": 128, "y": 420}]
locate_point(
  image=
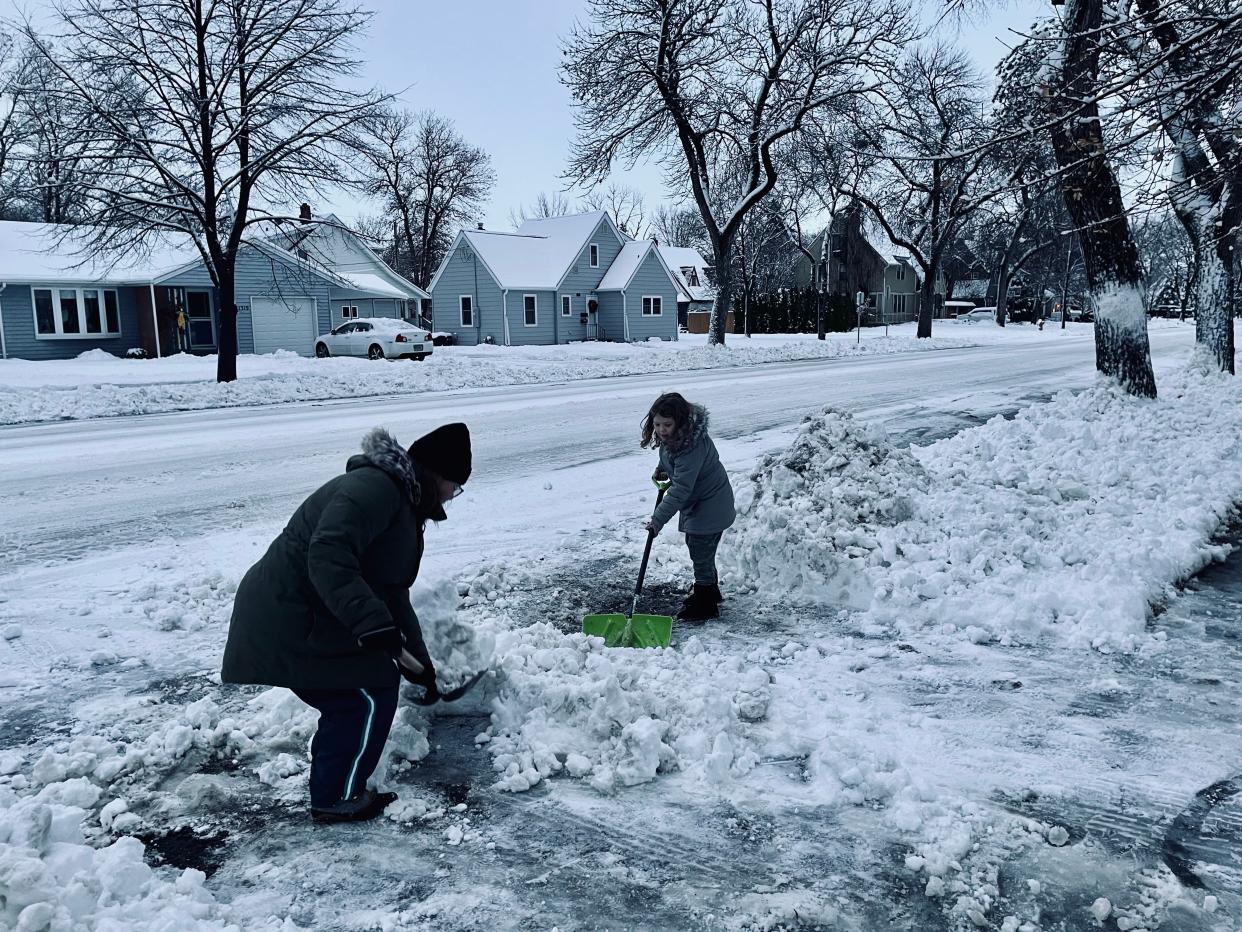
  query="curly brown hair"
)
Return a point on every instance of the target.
[{"x": 670, "y": 404}]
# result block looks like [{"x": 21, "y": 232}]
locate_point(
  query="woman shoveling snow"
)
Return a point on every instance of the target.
[
  {"x": 698, "y": 488},
  {"x": 326, "y": 612}
]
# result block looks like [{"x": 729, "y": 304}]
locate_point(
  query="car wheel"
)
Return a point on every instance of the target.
[
  {"x": 420, "y": 358},
  {"x": 321, "y": 350},
  {"x": 376, "y": 351}
]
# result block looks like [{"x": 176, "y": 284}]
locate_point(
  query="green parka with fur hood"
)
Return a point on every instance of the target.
[{"x": 341, "y": 568}]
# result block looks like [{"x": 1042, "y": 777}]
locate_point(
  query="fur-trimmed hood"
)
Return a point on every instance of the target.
[
  {"x": 688, "y": 436},
  {"x": 381, "y": 450}
]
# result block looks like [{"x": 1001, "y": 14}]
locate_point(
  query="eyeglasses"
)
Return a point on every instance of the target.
[{"x": 458, "y": 488}]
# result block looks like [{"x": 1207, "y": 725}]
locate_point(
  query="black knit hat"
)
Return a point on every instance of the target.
[{"x": 445, "y": 451}]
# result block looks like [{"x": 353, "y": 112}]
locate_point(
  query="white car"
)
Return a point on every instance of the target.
[
  {"x": 376, "y": 338},
  {"x": 979, "y": 313}
]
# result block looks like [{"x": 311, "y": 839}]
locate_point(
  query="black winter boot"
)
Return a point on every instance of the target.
[
  {"x": 363, "y": 807},
  {"x": 699, "y": 607},
  {"x": 714, "y": 591}
]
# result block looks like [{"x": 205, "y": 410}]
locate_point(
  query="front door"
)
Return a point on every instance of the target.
[{"x": 202, "y": 323}]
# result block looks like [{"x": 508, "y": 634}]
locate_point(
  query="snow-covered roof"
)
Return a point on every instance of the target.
[
  {"x": 375, "y": 285},
  {"x": 331, "y": 243},
  {"x": 681, "y": 257},
  {"x": 887, "y": 251},
  {"x": 31, "y": 252},
  {"x": 539, "y": 254},
  {"x": 625, "y": 265}
]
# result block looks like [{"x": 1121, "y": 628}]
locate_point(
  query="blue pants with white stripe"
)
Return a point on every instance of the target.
[{"x": 353, "y": 726}]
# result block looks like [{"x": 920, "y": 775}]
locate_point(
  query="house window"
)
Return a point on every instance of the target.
[
  {"x": 595, "y": 255},
  {"x": 653, "y": 305},
  {"x": 899, "y": 304},
  {"x": 901, "y": 271},
  {"x": 530, "y": 309},
  {"x": 567, "y": 307},
  {"x": 466, "y": 303},
  {"x": 691, "y": 275},
  {"x": 76, "y": 313},
  {"x": 349, "y": 311}
]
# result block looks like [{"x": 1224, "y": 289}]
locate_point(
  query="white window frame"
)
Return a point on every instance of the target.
[
  {"x": 653, "y": 305},
  {"x": 58, "y": 319},
  {"x": 593, "y": 249},
  {"x": 567, "y": 305},
  {"x": 349, "y": 312},
  {"x": 901, "y": 271},
  {"x": 462, "y": 310},
  {"x": 524, "y": 321}
]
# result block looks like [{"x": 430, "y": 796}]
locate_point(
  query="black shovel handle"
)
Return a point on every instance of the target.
[{"x": 642, "y": 569}]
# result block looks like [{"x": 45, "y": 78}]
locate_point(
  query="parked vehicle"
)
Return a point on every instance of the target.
[
  {"x": 375, "y": 338},
  {"x": 979, "y": 313}
]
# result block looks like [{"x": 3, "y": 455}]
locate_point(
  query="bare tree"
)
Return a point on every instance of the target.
[
  {"x": 624, "y": 204},
  {"x": 714, "y": 89},
  {"x": 931, "y": 174},
  {"x": 679, "y": 226},
  {"x": 431, "y": 181},
  {"x": 200, "y": 118},
  {"x": 1094, "y": 201},
  {"x": 546, "y": 205},
  {"x": 1188, "y": 55}
]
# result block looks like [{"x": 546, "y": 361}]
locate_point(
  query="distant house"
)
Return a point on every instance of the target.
[
  {"x": 56, "y": 302},
  {"x": 696, "y": 280},
  {"x": 556, "y": 280},
  {"x": 844, "y": 260},
  {"x": 378, "y": 291}
]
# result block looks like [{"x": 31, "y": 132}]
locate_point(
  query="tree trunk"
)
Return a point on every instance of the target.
[
  {"x": 724, "y": 292},
  {"x": 1093, "y": 198},
  {"x": 1214, "y": 323},
  {"x": 1002, "y": 291},
  {"x": 226, "y": 362},
  {"x": 927, "y": 307}
]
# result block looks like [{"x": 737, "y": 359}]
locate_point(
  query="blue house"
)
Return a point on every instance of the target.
[
  {"x": 555, "y": 280},
  {"x": 56, "y": 303}
]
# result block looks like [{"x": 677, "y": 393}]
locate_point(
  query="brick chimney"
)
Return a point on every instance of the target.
[{"x": 305, "y": 214}]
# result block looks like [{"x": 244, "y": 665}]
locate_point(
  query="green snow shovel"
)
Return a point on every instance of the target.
[{"x": 630, "y": 630}]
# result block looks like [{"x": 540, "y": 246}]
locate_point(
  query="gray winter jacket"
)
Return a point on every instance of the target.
[{"x": 700, "y": 489}]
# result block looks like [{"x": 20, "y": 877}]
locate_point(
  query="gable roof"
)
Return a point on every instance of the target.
[
  {"x": 678, "y": 257},
  {"x": 538, "y": 255},
  {"x": 370, "y": 274}
]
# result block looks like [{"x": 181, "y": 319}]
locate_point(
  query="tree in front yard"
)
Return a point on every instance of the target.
[
  {"x": 431, "y": 182},
  {"x": 715, "y": 91},
  {"x": 205, "y": 118}
]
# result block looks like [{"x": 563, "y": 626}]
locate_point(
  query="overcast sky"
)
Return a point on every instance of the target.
[{"x": 491, "y": 66}]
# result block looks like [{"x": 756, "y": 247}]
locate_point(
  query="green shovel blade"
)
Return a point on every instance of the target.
[{"x": 639, "y": 631}]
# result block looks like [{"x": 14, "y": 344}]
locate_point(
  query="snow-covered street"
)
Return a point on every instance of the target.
[{"x": 874, "y": 742}]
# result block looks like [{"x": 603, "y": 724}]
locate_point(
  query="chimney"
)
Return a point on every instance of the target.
[
  {"x": 656, "y": 240},
  {"x": 305, "y": 214},
  {"x": 480, "y": 225}
]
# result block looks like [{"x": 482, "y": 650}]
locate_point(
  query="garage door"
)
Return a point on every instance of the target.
[{"x": 284, "y": 324}]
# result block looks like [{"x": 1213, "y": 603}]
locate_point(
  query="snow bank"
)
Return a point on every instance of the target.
[
  {"x": 618, "y": 717},
  {"x": 97, "y": 385},
  {"x": 811, "y": 511},
  {"x": 50, "y": 878},
  {"x": 1069, "y": 520}
]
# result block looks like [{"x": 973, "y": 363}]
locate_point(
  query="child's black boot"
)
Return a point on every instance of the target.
[{"x": 699, "y": 607}]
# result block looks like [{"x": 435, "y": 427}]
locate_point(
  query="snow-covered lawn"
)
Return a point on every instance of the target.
[
  {"x": 893, "y": 697},
  {"x": 97, "y": 384}
]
